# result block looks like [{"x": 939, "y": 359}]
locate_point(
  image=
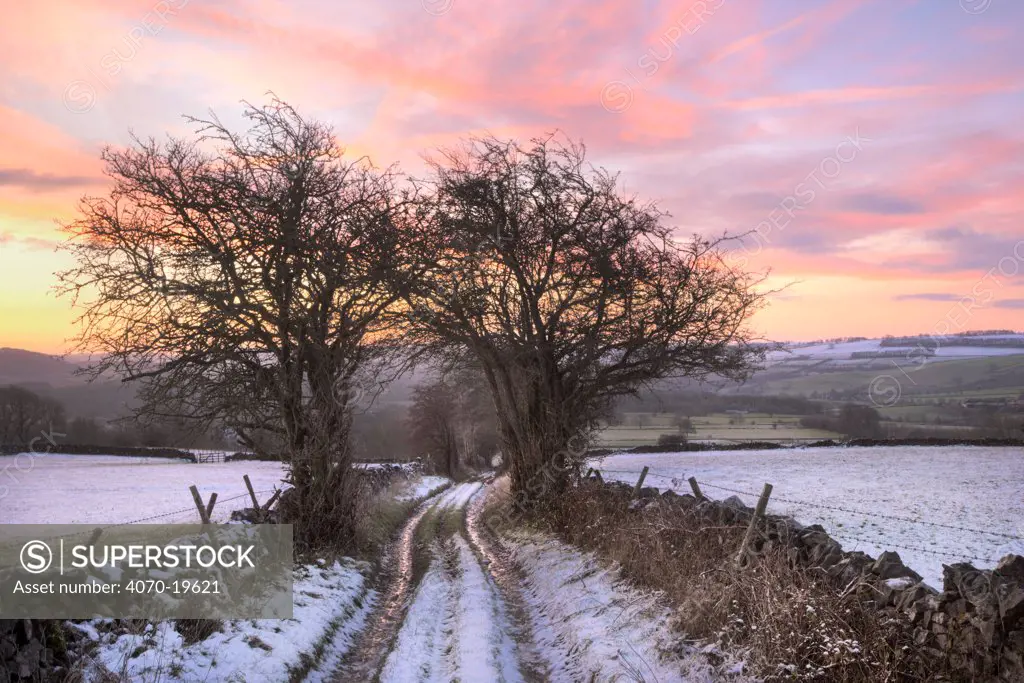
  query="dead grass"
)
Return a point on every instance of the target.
[
  {"x": 793, "y": 624},
  {"x": 379, "y": 514},
  {"x": 197, "y": 630}
]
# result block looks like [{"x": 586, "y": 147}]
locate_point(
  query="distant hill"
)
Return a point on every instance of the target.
[
  {"x": 107, "y": 399},
  {"x": 52, "y": 376},
  {"x": 18, "y": 366}
]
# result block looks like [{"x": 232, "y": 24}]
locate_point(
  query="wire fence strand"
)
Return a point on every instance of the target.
[
  {"x": 841, "y": 536},
  {"x": 150, "y": 518}
]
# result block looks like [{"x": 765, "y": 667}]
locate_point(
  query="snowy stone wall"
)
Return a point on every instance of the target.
[{"x": 975, "y": 624}]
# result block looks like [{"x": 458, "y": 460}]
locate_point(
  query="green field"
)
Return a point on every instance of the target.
[
  {"x": 995, "y": 377},
  {"x": 643, "y": 429}
]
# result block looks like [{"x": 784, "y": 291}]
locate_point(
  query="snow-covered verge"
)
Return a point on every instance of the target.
[
  {"x": 419, "y": 487},
  {"x": 933, "y": 505},
  {"x": 596, "y": 627},
  {"x": 331, "y": 604}
]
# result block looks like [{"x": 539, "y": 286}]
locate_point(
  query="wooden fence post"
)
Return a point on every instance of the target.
[
  {"x": 199, "y": 504},
  {"x": 209, "y": 506},
  {"x": 696, "y": 489},
  {"x": 762, "y": 504},
  {"x": 252, "y": 493},
  {"x": 273, "y": 499},
  {"x": 640, "y": 482}
]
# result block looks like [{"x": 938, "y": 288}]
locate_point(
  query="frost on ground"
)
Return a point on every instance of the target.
[
  {"x": 331, "y": 604},
  {"x": 980, "y": 491},
  {"x": 592, "y": 626}
]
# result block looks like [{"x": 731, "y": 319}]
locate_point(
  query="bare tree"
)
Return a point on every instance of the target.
[
  {"x": 567, "y": 294},
  {"x": 452, "y": 421},
  {"x": 238, "y": 278},
  {"x": 433, "y": 418},
  {"x": 25, "y": 415}
]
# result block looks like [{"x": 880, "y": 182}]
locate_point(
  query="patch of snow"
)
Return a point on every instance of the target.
[
  {"x": 328, "y": 600},
  {"x": 460, "y": 495},
  {"x": 418, "y": 651},
  {"x": 457, "y": 496},
  {"x": 485, "y": 651},
  {"x": 421, "y": 487}
]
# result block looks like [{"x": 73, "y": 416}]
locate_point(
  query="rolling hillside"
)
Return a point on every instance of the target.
[{"x": 51, "y": 376}]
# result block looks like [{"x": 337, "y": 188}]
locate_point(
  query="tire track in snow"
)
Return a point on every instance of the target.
[
  {"x": 452, "y": 625},
  {"x": 485, "y": 648},
  {"x": 418, "y": 654},
  {"x": 365, "y": 659},
  {"x": 457, "y": 627},
  {"x": 580, "y": 622}
]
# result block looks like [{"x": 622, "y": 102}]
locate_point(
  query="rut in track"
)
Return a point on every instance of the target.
[{"x": 442, "y": 615}]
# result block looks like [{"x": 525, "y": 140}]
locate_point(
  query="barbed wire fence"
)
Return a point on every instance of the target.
[
  {"x": 838, "y": 529},
  {"x": 95, "y": 531}
]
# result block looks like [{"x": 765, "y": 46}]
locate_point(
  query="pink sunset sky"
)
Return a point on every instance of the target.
[{"x": 876, "y": 148}]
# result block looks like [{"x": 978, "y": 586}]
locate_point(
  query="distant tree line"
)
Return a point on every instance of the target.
[
  {"x": 26, "y": 415},
  {"x": 853, "y": 420},
  {"x": 699, "y": 404}
]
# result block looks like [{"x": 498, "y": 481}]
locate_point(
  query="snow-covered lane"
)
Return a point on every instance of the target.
[
  {"x": 417, "y": 655},
  {"x": 485, "y": 647},
  {"x": 457, "y": 627}
]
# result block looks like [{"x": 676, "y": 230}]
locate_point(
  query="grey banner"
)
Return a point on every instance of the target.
[{"x": 146, "y": 571}]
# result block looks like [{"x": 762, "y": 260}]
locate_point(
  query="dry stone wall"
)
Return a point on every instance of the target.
[{"x": 975, "y": 624}]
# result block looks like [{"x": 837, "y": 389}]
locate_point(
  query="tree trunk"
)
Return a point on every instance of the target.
[{"x": 325, "y": 492}]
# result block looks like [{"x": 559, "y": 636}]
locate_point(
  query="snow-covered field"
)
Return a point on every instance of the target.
[
  {"x": 946, "y": 349},
  {"x": 50, "y": 488},
  {"x": 952, "y": 503}
]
